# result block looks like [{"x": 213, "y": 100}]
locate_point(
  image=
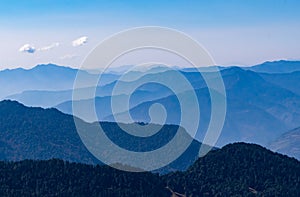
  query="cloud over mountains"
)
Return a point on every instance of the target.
[
  {"x": 27, "y": 48},
  {"x": 46, "y": 48},
  {"x": 80, "y": 41}
]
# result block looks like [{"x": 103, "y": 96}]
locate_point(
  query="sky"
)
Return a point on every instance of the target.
[{"x": 234, "y": 32}]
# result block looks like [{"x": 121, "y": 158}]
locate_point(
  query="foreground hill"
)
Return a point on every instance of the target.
[
  {"x": 235, "y": 170},
  {"x": 36, "y": 133},
  {"x": 239, "y": 170},
  {"x": 59, "y": 178}
]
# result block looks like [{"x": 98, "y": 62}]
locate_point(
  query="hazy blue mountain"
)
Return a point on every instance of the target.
[
  {"x": 255, "y": 108},
  {"x": 44, "y": 96},
  {"x": 244, "y": 122},
  {"x": 131, "y": 69},
  {"x": 152, "y": 91},
  {"x": 282, "y": 66},
  {"x": 46, "y": 99},
  {"x": 103, "y": 104},
  {"x": 201, "y": 69},
  {"x": 33, "y": 86},
  {"x": 285, "y": 80},
  {"x": 36, "y": 133},
  {"x": 247, "y": 90},
  {"x": 103, "y": 107},
  {"x": 249, "y": 87},
  {"x": 146, "y": 90},
  {"x": 41, "y": 98},
  {"x": 43, "y": 77},
  {"x": 288, "y": 143},
  {"x": 258, "y": 101}
]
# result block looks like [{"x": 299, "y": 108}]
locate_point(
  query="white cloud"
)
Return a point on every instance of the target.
[
  {"x": 80, "y": 41},
  {"x": 27, "y": 48},
  {"x": 46, "y": 48}
]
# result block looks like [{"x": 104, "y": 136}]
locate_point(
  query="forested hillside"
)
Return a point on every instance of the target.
[{"x": 235, "y": 170}]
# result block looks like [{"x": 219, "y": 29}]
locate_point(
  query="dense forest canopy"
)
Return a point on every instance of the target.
[{"x": 235, "y": 170}]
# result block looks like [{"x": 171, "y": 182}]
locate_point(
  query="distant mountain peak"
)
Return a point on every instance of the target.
[
  {"x": 52, "y": 66},
  {"x": 281, "y": 61},
  {"x": 280, "y": 66},
  {"x": 15, "y": 105},
  {"x": 10, "y": 102}
]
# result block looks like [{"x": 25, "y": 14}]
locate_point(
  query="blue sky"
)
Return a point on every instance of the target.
[{"x": 234, "y": 32}]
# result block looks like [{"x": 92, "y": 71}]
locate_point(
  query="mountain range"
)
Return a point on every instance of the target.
[
  {"x": 42, "y": 150},
  {"x": 281, "y": 66},
  {"x": 43, "y": 77},
  {"x": 253, "y": 104},
  {"x": 263, "y": 101}
]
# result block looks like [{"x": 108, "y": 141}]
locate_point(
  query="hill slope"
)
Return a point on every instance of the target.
[
  {"x": 36, "y": 133},
  {"x": 239, "y": 170},
  {"x": 288, "y": 143},
  {"x": 235, "y": 170},
  {"x": 284, "y": 80},
  {"x": 59, "y": 178}
]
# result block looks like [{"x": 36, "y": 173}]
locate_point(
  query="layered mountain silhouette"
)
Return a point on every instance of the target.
[
  {"x": 43, "y": 77},
  {"x": 261, "y": 105},
  {"x": 257, "y": 110},
  {"x": 282, "y": 66},
  {"x": 50, "y": 79}
]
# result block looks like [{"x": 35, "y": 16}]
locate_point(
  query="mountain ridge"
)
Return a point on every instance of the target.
[{"x": 37, "y": 133}]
